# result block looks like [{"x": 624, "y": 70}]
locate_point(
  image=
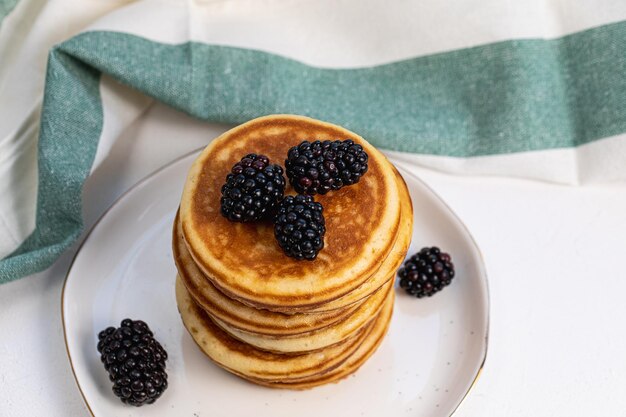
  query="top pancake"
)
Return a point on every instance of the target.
[{"x": 244, "y": 259}]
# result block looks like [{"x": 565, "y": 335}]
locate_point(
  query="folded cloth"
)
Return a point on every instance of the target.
[{"x": 484, "y": 88}]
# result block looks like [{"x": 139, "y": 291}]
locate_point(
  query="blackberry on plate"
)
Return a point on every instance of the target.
[
  {"x": 426, "y": 272},
  {"x": 252, "y": 190},
  {"x": 299, "y": 226},
  {"x": 318, "y": 167},
  {"x": 135, "y": 361}
]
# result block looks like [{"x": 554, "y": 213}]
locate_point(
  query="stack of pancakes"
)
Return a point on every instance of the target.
[{"x": 269, "y": 318}]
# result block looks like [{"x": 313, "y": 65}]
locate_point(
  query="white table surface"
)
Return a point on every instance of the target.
[{"x": 554, "y": 258}]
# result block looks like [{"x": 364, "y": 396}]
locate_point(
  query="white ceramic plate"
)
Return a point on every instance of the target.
[{"x": 426, "y": 365}]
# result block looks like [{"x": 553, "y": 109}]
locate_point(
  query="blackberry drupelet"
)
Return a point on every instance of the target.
[
  {"x": 318, "y": 167},
  {"x": 299, "y": 227},
  {"x": 426, "y": 272},
  {"x": 252, "y": 190},
  {"x": 135, "y": 361}
]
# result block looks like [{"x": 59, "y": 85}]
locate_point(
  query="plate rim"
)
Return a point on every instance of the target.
[{"x": 482, "y": 268}]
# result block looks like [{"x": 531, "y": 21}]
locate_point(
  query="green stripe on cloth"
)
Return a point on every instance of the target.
[
  {"x": 71, "y": 123},
  {"x": 500, "y": 98},
  {"x": 6, "y": 6},
  {"x": 506, "y": 97}
]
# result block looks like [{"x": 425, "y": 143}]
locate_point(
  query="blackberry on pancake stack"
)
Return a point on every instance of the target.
[{"x": 270, "y": 318}]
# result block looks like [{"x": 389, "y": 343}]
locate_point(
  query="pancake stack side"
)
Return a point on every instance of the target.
[{"x": 266, "y": 317}]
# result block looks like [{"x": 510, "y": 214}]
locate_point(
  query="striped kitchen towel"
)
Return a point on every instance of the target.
[{"x": 477, "y": 87}]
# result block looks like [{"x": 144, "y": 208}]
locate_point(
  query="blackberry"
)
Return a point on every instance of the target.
[
  {"x": 299, "y": 227},
  {"x": 318, "y": 167},
  {"x": 252, "y": 190},
  {"x": 426, "y": 272},
  {"x": 135, "y": 361}
]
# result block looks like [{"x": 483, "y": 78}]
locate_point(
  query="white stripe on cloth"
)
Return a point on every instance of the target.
[
  {"x": 356, "y": 33},
  {"x": 18, "y": 183},
  {"x": 568, "y": 165},
  {"x": 120, "y": 107}
]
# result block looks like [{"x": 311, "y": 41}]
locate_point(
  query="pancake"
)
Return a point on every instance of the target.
[
  {"x": 240, "y": 316},
  {"x": 318, "y": 339},
  {"x": 243, "y": 317},
  {"x": 244, "y": 260},
  {"x": 351, "y": 365},
  {"x": 247, "y": 361}
]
